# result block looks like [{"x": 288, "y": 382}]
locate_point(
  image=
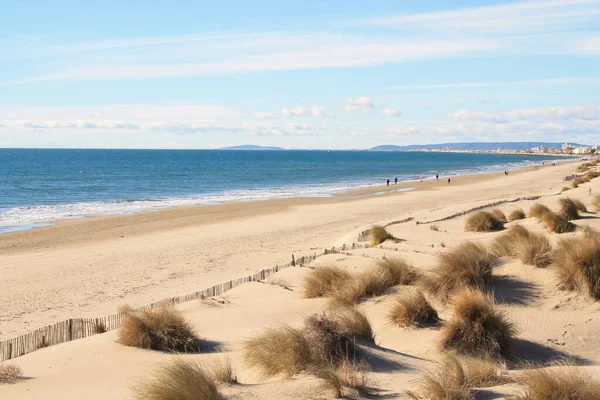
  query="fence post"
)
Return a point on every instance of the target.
[
  {"x": 10, "y": 351},
  {"x": 293, "y": 261},
  {"x": 70, "y": 329}
]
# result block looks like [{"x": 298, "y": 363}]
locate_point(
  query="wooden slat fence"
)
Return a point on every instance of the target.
[{"x": 78, "y": 328}]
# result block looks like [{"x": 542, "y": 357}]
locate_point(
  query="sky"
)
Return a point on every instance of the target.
[{"x": 322, "y": 74}]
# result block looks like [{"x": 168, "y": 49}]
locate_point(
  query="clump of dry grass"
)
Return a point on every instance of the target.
[
  {"x": 580, "y": 205},
  {"x": 468, "y": 266},
  {"x": 349, "y": 374},
  {"x": 399, "y": 271},
  {"x": 455, "y": 378},
  {"x": 579, "y": 180},
  {"x": 516, "y": 215},
  {"x": 577, "y": 264},
  {"x": 557, "y": 223},
  {"x": 559, "y": 382},
  {"x": 10, "y": 373},
  {"x": 592, "y": 174},
  {"x": 568, "y": 208},
  {"x": 179, "y": 379},
  {"x": 434, "y": 227},
  {"x": 328, "y": 344},
  {"x": 538, "y": 210},
  {"x": 564, "y": 189},
  {"x": 221, "y": 371},
  {"x": 413, "y": 310},
  {"x": 322, "y": 281},
  {"x": 529, "y": 247},
  {"x": 484, "y": 221},
  {"x": 477, "y": 327},
  {"x": 162, "y": 328},
  {"x": 596, "y": 203},
  {"x": 498, "y": 214},
  {"x": 353, "y": 322},
  {"x": 378, "y": 235}
]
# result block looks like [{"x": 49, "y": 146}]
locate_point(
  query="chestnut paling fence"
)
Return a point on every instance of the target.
[{"x": 78, "y": 328}]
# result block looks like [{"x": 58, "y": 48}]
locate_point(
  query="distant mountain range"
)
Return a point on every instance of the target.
[
  {"x": 470, "y": 146},
  {"x": 251, "y": 147}
]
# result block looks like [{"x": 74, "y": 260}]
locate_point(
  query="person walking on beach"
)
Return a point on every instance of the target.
[
  {"x": 437, "y": 177},
  {"x": 388, "y": 182},
  {"x": 396, "y": 181},
  {"x": 448, "y": 181}
]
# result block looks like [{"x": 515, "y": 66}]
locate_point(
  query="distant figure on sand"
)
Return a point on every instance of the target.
[
  {"x": 396, "y": 181},
  {"x": 505, "y": 172},
  {"x": 448, "y": 181},
  {"x": 437, "y": 177},
  {"x": 388, "y": 182}
]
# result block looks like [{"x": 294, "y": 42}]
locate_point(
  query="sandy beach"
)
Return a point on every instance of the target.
[{"x": 89, "y": 267}]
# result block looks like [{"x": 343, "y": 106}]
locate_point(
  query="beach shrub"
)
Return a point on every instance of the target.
[
  {"x": 353, "y": 322},
  {"x": 559, "y": 382},
  {"x": 498, "y": 214},
  {"x": 483, "y": 221},
  {"x": 10, "y": 373},
  {"x": 322, "y": 281},
  {"x": 477, "y": 328},
  {"x": 538, "y": 210},
  {"x": 179, "y": 379},
  {"x": 557, "y": 223},
  {"x": 161, "y": 328},
  {"x": 378, "y": 235},
  {"x": 413, "y": 310},
  {"x": 467, "y": 266},
  {"x": 398, "y": 270},
  {"x": 568, "y": 208},
  {"x": 516, "y": 215},
  {"x": 529, "y": 247},
  {"x": 577, "y": 264}
]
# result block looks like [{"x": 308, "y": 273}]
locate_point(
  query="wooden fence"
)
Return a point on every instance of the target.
[{"x": 79, "y": 328}]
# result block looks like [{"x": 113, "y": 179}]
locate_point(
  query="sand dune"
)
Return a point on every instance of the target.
[{"x": 92, "y": 276}]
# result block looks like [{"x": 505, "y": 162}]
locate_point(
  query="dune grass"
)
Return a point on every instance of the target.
[
  {"x": 349, "y": 374},
  {"x": 529, "y": 247},
  {"x": 568, "y": 208},
  {"x": 467, "y": 266},
  {"x": 484, "y": 221},
  {"x": 180, "y": 379},
  {"x": 498, "y": 214},
  {"x": 161, "y": 328},
  {"x": 596, "y": 203},
  {"x": 413, "y": 310},
  {"x": 353, "y": 322},
  {"x": 221, "y": 371},
  {"x": 399, "y": 271},
  {"x": 456, "y": 377},
  {"x": 557, "y": 223},
  {"x": 577, "y": 265},
  {"x": 592, "y": 174},
  {"x": 477, "y": 328},
  {"x": 10, "y": 373},
  {"x": 322, "y": 281},
  {"x": 434, "y": 227},
  {"x": 516, "y": 215},
  {"x": 378, "y": 235},
  {"x": 580, "y": 205},
  {"x": 559, "y": 382},
  {"x": 564, "y": 189},
  {"x": 579, "y": 180},
  {"x": 538, "y": 210}
]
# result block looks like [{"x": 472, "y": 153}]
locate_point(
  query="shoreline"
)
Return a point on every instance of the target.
[{"x": 346, "y": 193}]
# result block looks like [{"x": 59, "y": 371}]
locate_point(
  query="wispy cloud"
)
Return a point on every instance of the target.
[
  {"x": 365, "y": 104},
  {"x": 538, "y": 114},
  {"x": 460, "y": 85}
]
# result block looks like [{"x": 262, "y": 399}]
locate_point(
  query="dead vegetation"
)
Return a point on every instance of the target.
[
  {"x": 413, "y": 310},
  {"x": 484, "y": 221},
  {"x": 568, "y": 208},
  {"x": 322, "y": 281},
  {"x": 467, "y": 266},
  {"x": 529, "y": 247},
  {"x": 10, "y": 373},
  {"x": 562, "y": 381},
  {"x": 557, "y": 223},
  {"x": 221, "y": 371},
  {"x": 161, "y": 328},
  {"x": 353, "y": 322},
  {"x": 378, "y": 235},
  {"x": 180, "y": 379},
  {"x": 538, "y": 210},
  {"x": 516, "y": 215},
  {"x": 477, "y": 328},
  {"x": 577, "y": 265},
  {"x": 456, "y": 377}
]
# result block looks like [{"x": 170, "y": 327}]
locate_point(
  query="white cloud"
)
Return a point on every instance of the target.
[
  {"x": 364, "y": 103},
  {"x": 590, "y": 46},
  {"x": 389, "y": 111},
  {"x": 460, "y": 85},
  {"x": 264, "y": 115},
  {"x": 299, "y": 111},
  {"x": 296, "y": 111},
  {"x": 539, "y": 114},
  {"x": 468, "y": 115}
]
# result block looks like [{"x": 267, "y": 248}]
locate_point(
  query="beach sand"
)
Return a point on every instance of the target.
[{"x": 88, "y": 267}]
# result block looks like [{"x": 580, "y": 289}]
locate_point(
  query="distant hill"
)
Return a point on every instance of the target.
[
  {"x": 469, "y": 146},
  {"x": 251, "y": 147}
]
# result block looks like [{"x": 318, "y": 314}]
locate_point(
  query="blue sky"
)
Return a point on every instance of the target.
[{"x": 297, "y": 74}]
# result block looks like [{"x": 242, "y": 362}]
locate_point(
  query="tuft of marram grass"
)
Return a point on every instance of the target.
[
  {"x": 557, "y": 223},
  {"x": 321, "y": 282},
  {"x": 592, "y": 175},
  {"x": 580, "y": 205},
  {"x": 10, "y": 373},
  {"x": 529, "y": 247},
  {"x": 579, "y": 180},
  {"x": 577, "y": 265},
  {"x": 221, "y": 371},
  {"x": 564, "y": 189},
  {"x": 596, "y": 203},
  {"x": 349, "y": 374},
  {"x": 559, "y": 382},
  {"x": 434, "y": 227},
  {"x": 498, "y": 214},
  {"x": 467, "y": 266},
  {"x": 568, "y": 208},
  {"x": 516, "y": 215},
  {"x": 161, "y": 328},
  {"x": 413, "y": 310},
  {"x": 399, "y": 271},
  {"x": 353, "y": 322},
  {"x": 180, "y": 379},
  {"x": 378, "y": 235},
  {"x": 538, "y": 210},
  {"x": 484, "y": 221},
  {"x": 477, "y": 328}
]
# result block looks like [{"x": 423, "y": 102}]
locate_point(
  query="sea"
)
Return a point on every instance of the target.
[{"x": 38, "y": 186}]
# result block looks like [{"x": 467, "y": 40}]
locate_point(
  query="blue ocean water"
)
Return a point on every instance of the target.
[{"x": 46, "y": 184}]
